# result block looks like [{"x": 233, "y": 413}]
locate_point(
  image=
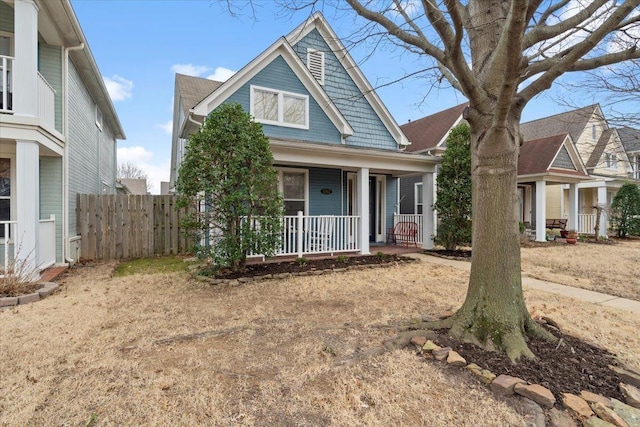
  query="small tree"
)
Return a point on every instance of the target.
[
  {"x": 229, "y": 162},
  {"x": 625, "y": 210},
  {"x": 454, "y": 190}
]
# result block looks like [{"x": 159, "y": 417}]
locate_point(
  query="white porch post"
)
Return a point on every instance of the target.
[
  {"x": 28, "y": 204},
  {"x": 602, "y": 202},
  {"x": 573, "y": 207},
  {"x": 541, "y": 209},
  {"x": 25, "y": 67},
  {"x": 362, "y": 192},
  {"x": 428, "y": 214}
]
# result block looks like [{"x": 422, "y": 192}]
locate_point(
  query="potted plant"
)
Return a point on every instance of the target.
[{"x": 572, "y": 237}]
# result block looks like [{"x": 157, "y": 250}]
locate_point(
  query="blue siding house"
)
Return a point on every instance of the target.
[{"x": 338, "y": 151}]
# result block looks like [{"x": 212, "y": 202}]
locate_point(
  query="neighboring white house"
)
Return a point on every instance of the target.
[{"x": 58, "y": 131}]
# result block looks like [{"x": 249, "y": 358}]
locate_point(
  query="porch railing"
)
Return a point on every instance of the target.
[
  {"x": 6, "y": 101},
  {"x": 47, "y": 239},
  {"x": 315, "y": 234},
  {"x": 417, "y": 218},
  {"x": 9, "y": 248},
  {"x": 586, "y": 223},
  {"x": 46, "y": 102}
]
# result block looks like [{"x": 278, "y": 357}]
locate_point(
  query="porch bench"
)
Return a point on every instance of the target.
[
  {"x": 403, "y": 233},
  {"x": 560, "y": 224}
]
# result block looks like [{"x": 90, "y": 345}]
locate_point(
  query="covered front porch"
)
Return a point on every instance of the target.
[
  {"x": 343, "y": 199},
  {"x": 30, "y": 207}
]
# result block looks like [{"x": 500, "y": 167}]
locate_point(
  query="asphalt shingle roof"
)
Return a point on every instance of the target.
[
  {"x": 572, "y": 122},
  {"x": 192, "y": 90},
  {"x": 594, "y": 158},
  {"x": 427, "y": 132},
  {"x": 630, "y": 138},
  {"x": 536, "y": 155}
]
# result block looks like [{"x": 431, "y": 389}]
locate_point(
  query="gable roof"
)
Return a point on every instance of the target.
[
  {"x": 572, "y": 122},
  {"x": 630, "y": 138},
  {"x": 318, "y": 22},
  {"x": 599, "y": 148},
  {"x": 537, "y": 157},
  {"x": 192, "y": 90},
  {"x": 283, "y": 49},
  {"x": 431, "y": 131}
]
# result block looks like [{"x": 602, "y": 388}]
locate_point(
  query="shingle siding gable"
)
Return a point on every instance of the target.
[
  {"x": 563, "y": 160},
  {"x": 369, "y": 131},
  {"x": 278, "y": 75}
]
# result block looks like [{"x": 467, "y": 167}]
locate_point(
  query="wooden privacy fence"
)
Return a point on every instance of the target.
[{"x": 129, "y": 226}]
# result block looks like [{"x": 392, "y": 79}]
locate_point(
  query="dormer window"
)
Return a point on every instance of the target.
[
  {"x": 315, "y": 64},
  {"x": 593, "y": 132},
  {"x": 280, "y": 108}
]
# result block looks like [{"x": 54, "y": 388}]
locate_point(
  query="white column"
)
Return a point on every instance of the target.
[
  {"x": 435, "y": 199},
  {"x": 25, "y": 67},
  {"x": 27, "y": 194},
  {"x": 428, "y": 214},
  {"x": 573, "y": 207},
  {"x": 362, "y": 192},
  {"x": 541, "y": 211},
  {"x": 602, "y": 202}
]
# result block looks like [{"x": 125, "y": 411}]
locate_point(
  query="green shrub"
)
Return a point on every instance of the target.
[{"x": 625, "y": 210}]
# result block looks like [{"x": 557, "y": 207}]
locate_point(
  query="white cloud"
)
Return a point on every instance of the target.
[
  {"x": 167, "y": 127},
  {"x": 118, "y": 87},
  {"x": 190, "y": 69},
  {"x": 136, "y": 154},
  {"x": 221, "y": 74},
  {"x": 143, "y": 158}
]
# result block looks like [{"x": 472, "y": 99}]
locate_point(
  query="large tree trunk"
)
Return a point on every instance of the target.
[{"x": 494, "y": 314}]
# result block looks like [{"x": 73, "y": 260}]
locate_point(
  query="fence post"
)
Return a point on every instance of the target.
[{"x": 300, "y": 232}]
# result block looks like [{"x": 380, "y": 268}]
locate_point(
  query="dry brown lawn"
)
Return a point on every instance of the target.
[
  {"x": 104, "y": 351},
  {"x": 611, "y": 269}
]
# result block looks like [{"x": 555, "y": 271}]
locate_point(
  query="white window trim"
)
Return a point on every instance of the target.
[
  {"x": 12, "y": 198},
  {"x": 310, "y": 52},
  {"x": 281, "y": 94},
  {"x": 417, "y": 189},
  {"x": 281, "y": 172},
  {"x": 99, "y": 118},
  {"x": 611, "y": 161}
]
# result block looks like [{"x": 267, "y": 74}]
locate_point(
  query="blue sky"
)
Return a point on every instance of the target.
[{"x": 139, "y": 45}]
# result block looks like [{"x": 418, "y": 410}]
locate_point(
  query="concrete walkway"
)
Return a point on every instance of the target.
[{"x": 554, "y": 288}]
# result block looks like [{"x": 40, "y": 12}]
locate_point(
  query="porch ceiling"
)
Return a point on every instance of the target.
[{"x": 351, "y": 158}]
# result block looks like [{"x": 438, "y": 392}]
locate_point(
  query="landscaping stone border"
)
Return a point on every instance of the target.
[
  {"x": 242, "y": 280},
  {"x": 43, "y": 291},
  {"x": 587, "y": 409}
]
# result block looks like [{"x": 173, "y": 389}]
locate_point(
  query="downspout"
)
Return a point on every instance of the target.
[{"x": 65, "y": 160}]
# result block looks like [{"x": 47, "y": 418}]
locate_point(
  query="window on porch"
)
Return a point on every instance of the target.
[
  {"x": 418, "y": 198},
  {"x": 5, "y": 192},
  {"x": 293, "y": 186}
]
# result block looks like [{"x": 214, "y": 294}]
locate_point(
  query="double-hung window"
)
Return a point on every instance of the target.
[
  {"x": 611, "y": 160},
  {"x": 293, "y": 185},
  {"x": 5, "y": 192},
  {"x": 276, "y": 107}
]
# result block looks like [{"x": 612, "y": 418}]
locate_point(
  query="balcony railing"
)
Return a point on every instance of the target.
[
  {"x": 46, "y": 102},
  {"x": 46, "y": 94},
  {"x": 6, "y": 97}
]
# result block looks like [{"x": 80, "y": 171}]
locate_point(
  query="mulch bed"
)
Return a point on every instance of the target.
[
  {"x": 312, "y": 264},
  {"x": 462, "y": 254},
  {"x": 571, "y": 367}
]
